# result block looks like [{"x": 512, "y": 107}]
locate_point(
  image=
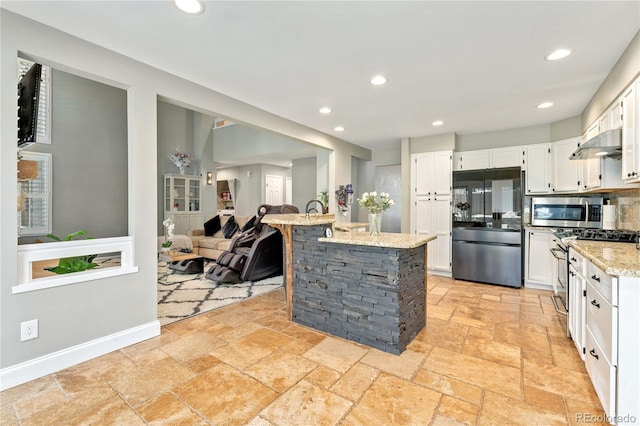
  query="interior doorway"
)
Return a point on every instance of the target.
[{"x": 273, "y": 190}]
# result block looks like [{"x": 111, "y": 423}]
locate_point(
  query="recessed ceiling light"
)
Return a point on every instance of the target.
[
  {"x": 544, "y": 105},
  {"x": 378, "y": 80},
  {"x": 325, "y": 110},
  {"x": 558, "y": 54},
  {"x": 339, "y": 129},
  {"x": 437, "y": 123},
  {"x": 193, "y": 7}
]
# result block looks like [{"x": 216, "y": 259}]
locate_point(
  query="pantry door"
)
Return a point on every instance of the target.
[{"x": 274, "y": 192}]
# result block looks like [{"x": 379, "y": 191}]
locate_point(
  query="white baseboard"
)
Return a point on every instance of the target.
[
  {"x": 538, "y": 286},
  {"x": 48, "y": 364},
  {"x": 439, "y": 273}
]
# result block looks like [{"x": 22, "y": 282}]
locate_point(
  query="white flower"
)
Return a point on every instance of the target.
[
  {"x": 392, "y": 203},
  {"x": 374, "y": 194},
  {"x": 365, "y": 195}
]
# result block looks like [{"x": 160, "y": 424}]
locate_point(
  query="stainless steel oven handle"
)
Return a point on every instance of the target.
[{"x": 554, "y": 250}]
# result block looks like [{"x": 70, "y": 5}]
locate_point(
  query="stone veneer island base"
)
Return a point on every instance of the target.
[{"x": 371, "y": 290}]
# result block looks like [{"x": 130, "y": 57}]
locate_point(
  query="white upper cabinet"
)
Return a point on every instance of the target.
[
  {"x": 433, "y": 173},
  {"x": 512, "y": 156},
  {"x": 472, "y": 160},
  {"x": 565, "y": 172},
  {"x": 538, "y": 177},
  {"x": 631, "y": 134}
]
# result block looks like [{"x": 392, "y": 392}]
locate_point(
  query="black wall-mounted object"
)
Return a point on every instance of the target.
[{"x": 28, "y": 100}]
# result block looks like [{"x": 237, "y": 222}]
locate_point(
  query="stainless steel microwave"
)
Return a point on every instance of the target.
[{"x": 567, "y": 212}]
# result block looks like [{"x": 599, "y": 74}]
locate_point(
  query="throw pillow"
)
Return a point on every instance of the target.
[
  {"x": 249, "y": 224},
  {"x": 230, "y": 228},
  {"x": 212, "y": 226}
]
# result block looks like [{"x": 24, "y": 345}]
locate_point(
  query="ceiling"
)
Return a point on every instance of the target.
[{"x": 478, "y": 65}]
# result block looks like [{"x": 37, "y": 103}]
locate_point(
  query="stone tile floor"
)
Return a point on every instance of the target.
[{"x": 489, "y": 356}]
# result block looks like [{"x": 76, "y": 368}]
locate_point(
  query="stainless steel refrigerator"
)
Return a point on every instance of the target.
[{"x": 487, "y": 226}]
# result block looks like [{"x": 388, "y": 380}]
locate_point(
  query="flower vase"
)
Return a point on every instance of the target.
[
  {"x": 374, "y": 223},
  {"x": 181, "y": 169}
]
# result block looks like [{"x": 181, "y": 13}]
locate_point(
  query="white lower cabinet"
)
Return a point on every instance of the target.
[
  {"x": 540, "y": 263},
  {"x": 433, "y": 216},
  {"x": 611, "y": 340},
  {"x": 185, "y": 221},
  {"x": 577, "y": 298}
]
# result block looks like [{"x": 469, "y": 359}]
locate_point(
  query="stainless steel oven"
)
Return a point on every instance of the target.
[
  {"x": 560, "y": 281},
  {"x": 567, "y": 212}
]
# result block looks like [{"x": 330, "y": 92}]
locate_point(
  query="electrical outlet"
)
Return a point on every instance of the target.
[{"x": 28, "y": 330}]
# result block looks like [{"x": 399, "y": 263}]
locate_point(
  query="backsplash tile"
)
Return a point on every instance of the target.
[{"x": 628, "y": 210}]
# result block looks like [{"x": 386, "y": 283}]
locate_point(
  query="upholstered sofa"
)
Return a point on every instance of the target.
[{"x": 215, "y": 238}]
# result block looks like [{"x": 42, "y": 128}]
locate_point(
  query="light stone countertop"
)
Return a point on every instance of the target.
[
  {"x": 619, "y": 259},
  {"x": 299, "y": 219},
  {"x": 390, "y": 240}
]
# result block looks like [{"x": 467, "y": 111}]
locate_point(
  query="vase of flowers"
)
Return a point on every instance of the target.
[
  {"x": 181, "y": 159},
  {"x": 168, "y": 234},
  {"x": 376, "y": 204}
]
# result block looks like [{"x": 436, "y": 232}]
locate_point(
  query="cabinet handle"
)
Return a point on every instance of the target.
[
  {"x": 595, "y": 277},
  {"x": 594, "y": 303},
  {"x": 594, "y": 354}
]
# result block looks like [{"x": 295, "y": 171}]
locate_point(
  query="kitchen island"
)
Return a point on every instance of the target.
[{"x": 367, "y": 289}]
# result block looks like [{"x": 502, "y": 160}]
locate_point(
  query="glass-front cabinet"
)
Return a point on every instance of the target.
[{"x": 182, "y": 202}]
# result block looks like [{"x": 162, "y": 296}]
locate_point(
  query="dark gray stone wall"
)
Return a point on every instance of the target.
[{"x": 371, "y": 295}]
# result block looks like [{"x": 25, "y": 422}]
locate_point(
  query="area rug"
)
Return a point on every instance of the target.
[{"x": 183, "y": 295}]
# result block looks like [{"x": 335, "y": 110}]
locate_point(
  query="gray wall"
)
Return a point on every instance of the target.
[
  {"x": 304, "y": 175},
  {"x": 624, "y": 71},
  {"x": 89, "y": 154},
  {"x": 75, "y": 316}
]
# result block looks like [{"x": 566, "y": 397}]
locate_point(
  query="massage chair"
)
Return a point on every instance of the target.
[{"x": 255, "y": 254}]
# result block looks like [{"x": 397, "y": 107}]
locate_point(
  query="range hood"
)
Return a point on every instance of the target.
[{"x": 606, "y": 144}]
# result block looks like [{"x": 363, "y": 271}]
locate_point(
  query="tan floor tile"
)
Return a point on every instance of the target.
[
  {"x": 481, "y": 333},
  {"x": 224, "y": 396},
  {"x": 280, "y": 370},
  {"x": 113, "y": 411},
  {"x": 440, "y": 312},
  {"x": 355, "y": 381},
  {"x": 558, "y": 380},
  {"x": 276, "y": 321},
  {"x": 93, "y": 396},
  {"x": 480, "y": 317},
  {"x": 93, "y": 372},
  {"x": 150, "y": 380},
  {"x": 541, "y": 319},
  {"x": 8, "y": 416},
  {"x": 420, "y": 345},
  {"x": 503, "y": 379},
  {"x": 304, "y": 333},
  {"x": 404, "y": 365},
  {"x": 491, "y": 297},
  {"x": 439, "y": 290},
  {"x": 549, "y": 401},
  {"x": 491, "y": 350},
  {"x": 566, "y": 356},
  {"x": 522, "y": 336},
  {"x": 449, "y": 386},
  {"x": 236, "y": 316},
  {"x": 392, "y": 400},
  {"x": 444, "y": 334},
  {"x": 266, "y": 338},
  {"x": 194, "y": 324},
  {"x": 440, "y": 420},
  {"x": 323, "y": 377},
  {"x": 501, "y": 410},
  {"x": 336, "y": 354},
  {"x": 192, "y": 346},
  {"x": 169, "y": 410},
  {"x": 164, "y": 339},
  {"x": 41, "y": 396},
  {"x": 583, "y": 412},
  {"x": 297, "y": 347},
  {"x": 497, "y": 305},
  {"x": 203, "y": 363},
  {"x": 259, "y": 421},
  {"x": 306, "y": 404},
  {"x": 147, "y": 357},
  {"x": 459, "y": 411},
  {"x": 233, "y": 334}
]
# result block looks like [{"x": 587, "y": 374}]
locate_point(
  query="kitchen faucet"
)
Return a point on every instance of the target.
[{"x": 308, "y": 210}]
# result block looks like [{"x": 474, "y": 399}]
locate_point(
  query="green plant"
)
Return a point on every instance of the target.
[
  {"x": 324, "y": 197},
  {"x": 167, "y": 244},
  {"x": 67, "y": 265}
]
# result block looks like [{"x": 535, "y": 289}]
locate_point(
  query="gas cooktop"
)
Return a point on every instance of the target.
[{"x": 612, "y": 235}]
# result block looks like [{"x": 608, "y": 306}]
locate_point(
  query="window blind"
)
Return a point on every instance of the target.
[{"x": 35, "y": 217}]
